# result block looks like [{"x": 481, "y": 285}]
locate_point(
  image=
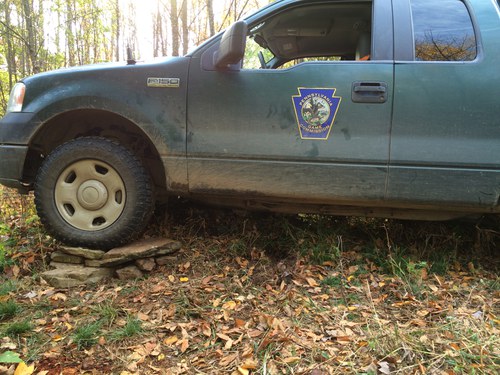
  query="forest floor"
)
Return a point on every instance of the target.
[{"x": 261, "y": 294}]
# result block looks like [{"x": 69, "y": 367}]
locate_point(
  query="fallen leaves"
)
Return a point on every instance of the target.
[
  {"x": 24, "y": 369},
  {"x": 220, "y": 311}
]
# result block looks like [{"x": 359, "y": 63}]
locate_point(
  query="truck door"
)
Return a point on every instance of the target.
[
  {"x": 309, "y": 119},
  {"x": 445, "y": 146}
]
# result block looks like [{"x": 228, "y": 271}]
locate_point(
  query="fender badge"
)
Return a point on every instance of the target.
[
  {"x": 315, "y": 110},
  {"x": 164, "y": 82}
]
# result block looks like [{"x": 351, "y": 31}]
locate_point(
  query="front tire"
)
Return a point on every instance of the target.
[{"x": 93, "y": 192}]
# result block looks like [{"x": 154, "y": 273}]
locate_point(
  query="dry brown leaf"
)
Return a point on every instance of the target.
[
  {"x": 230, "y": 305},
  {"x": 170, "y": 340},
  {"x": 239, "y": 323},
  {"x": 254, "y": 333},
  {"x": 227, "y": 360},
  {"x": 250, "y": 364},
  {"x": 311, "y": 282},
  {"x": 184, "y": 345},
  {"x": 59, "y": 296},
  {"x": 142, "y": 316},
  {"x": 229, "y": 344},
  {"x": 15, "y": 271},
  {"x": 206, "y": 330},
  {"x": 289, "y": 360},
  {"x": 223, "y": 336}
]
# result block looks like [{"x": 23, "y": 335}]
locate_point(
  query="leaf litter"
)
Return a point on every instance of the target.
[{"x": 272, "y": 295}]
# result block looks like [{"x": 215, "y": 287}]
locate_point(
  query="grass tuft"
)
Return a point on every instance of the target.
[
  {"x": 8, "y": 309},
  {"x": 107, "y": 313},
  {"x": 17, "y": 329},
  {"x": 87, "y": 335},
  {"x": 132, "y": 327}
]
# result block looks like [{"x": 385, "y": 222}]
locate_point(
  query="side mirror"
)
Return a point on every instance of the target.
[{"x": 232, "y": 46}]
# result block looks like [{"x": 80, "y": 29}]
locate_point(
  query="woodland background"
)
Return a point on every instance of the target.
[{"x": 41, "y": 35}]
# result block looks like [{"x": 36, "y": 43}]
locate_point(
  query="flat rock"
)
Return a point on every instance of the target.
[
  {"x": 71, "y": 275},
  {"x": 60, "y": 257},
  {"x": 84, "y": 253},
  {"x": 129, "y": 273},
  {"x": 146, "y": 264},
  {"x": 61, "y": 282},
  {"x": 165, "y": 259},
  {"x": 95, "y": 263},
  {"x": 140, "y": 249},
  {"x": 66, "y": 266}
]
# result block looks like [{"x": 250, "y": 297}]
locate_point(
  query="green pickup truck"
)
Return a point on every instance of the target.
[{"x": 353, "y": 107}]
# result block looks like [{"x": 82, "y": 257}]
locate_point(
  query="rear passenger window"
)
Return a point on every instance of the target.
[{"x": 443, "y": 31}]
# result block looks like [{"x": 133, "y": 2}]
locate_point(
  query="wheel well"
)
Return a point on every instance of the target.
[{"x": 91, "y": 122}]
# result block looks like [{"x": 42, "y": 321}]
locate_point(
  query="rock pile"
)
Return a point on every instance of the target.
[{"x": 74, "y": 266}]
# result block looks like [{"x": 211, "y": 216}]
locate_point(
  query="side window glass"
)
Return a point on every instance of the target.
[
  {"x": 256, "y": 56},
  {"x": 443, "y": 31},
  {"x": 328, "y": 31}
]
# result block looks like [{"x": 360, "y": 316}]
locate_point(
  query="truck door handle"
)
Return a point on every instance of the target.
[
  {"x": 369, "y": 92},
  {"x": 370, "y": 89}
]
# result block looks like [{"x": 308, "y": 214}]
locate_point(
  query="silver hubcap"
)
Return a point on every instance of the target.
[{"x": 90, "y": 195}]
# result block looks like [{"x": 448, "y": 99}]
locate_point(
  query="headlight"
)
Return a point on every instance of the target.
[{"x": 16, "y": 98}]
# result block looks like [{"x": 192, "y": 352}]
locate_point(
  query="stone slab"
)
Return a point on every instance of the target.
[
  {"x": 129, "y": 273},
  {"x": 60, "y": 257},
  {"x": 69, "y": 276},
  {"x": 140, "y": 249},
  {"x": 165, "y": 260},
  {"x": 146, "y": 264},
  {"x": 84, "y": 253}
]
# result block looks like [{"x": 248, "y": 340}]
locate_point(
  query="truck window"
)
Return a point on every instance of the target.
[
  {"x": 317, "y": 32},
  {"x": 443, "y": 31}
]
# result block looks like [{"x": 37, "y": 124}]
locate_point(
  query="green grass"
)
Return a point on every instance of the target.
[
  {"x": 106, "y": 313},
  {"x": 17, "y": 329},
  {"x": 5, "y": 261},
  {"x": 8, "y": 309},
  {"x": 86, "y": 335},
  {"x": 132, "y": 327},
  {"x": 333, "y": 281},
  {"x": 7, "y": 287}
]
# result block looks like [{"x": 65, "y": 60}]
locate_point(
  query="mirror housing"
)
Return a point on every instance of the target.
[{"x": 232, "y": 46}]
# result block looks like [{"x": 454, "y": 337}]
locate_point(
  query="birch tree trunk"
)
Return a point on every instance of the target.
[
  {"x": 210, "y": 14},
  {"x": 174, "y": 21},
  {"x": 31, "y": 41},
  {"x": 185, "y": 27}
]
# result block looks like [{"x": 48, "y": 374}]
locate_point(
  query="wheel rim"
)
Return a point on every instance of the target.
[{"x": 90, "y": 195}]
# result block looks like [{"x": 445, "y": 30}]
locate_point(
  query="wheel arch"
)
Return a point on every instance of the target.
[{"x": 84, "y": 122}]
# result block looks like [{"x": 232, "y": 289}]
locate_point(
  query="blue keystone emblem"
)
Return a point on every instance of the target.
[{"x": 315, "y": 110}]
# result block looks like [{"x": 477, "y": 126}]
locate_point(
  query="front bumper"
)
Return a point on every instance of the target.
[
  {"x": 12, "y": 160},
  {"x": 16, "y": 129}
]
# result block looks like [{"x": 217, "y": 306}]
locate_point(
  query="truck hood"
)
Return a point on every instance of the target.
[{"x": 103, "y": 68}]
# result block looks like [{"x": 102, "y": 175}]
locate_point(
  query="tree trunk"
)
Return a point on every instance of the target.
[
  {"x": 11, "y": 59},
  {"x": 185, "y": 27},
  {"x": 174, "y": 20},
  {"x": 70, "y": 36},
  {"x": 210, "y": 11},
  {"x": 118, "y": 30},
  {"x": 31, "y": 42}
]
